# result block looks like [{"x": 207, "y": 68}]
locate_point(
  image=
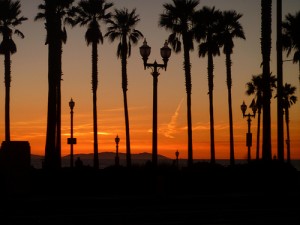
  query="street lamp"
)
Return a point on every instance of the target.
[
  {"x": 71, "y": 141},
  {"x": 177, "y": 155},
  {"x": 165, "y": 53},
  {"x": 117, "y": 140},
  {"x": 249, "y": 134}
]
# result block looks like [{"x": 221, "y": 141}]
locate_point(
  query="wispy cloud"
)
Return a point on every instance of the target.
[
  {"x": 122, "y": 109},
  {"x": 104, "y": 133},
  {"x": 206, "y": 126},
  {"x": 169, "y": 129}
]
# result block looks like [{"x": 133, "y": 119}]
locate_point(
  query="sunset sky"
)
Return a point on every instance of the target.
[{"x": 29, "y": 87}]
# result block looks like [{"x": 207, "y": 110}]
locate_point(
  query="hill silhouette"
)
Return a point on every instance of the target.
[{"x": 105, "y": 159}]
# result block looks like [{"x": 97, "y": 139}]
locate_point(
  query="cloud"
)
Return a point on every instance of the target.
[
  {"x": 104, "y": 133},
  {"x": 206, "y": 126},
  {"x": 133, "y": 108},
  {"x": 169, "y": 129}
]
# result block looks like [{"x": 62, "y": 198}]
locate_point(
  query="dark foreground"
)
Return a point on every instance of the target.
[{"x": 205, "y": 194}]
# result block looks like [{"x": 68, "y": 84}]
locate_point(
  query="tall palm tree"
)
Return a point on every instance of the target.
[
  {"x": 55, "y": 13},
  {"x": 288, "y": 99},
  {"x": 63, "y": 14},
  {"x": 231, "y": 28},
  {"x": 266, "y": 31},
  {"x": 291, "y": 36},
  {"x": 90, "y": 13},
  {"x": 255, "y": 87},
  {"x": 178, "y": 19},
  {"x": 122, "y": 27},
  {"x": 207, "y": 33},
  {"x": 48, "y": 13},
  {"x": 280, "y": 135},
  {"x": 9, "y": 19}
]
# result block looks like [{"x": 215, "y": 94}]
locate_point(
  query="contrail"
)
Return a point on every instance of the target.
[{"x": 171, "y": 126}]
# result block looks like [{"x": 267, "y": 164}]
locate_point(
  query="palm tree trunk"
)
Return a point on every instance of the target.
[
  {"x": 57, "y": 76},
  {"x": 287, "y": 121},
  {"x": 58, "y": 125},
  {"x": 211, "y": 108},
  {"x": 229, "y": 85},
  {"x": 94, "y": 90},
  {"x": 51, "y": 114},
  {"x": 190, "y": 132},
  {"x": 128, "y": 153},
  {"x": 124, "y": 88},
  {"x": 266, "y": 31},
  {"x": 58, "y": 109},
  {"x": 258, "y": 133},
  {"x": 96, "y": 158},
  {"x": 280, "y": 134},
  {"x": 7, "y": 80},
  {"x": 188, "y": 84}
]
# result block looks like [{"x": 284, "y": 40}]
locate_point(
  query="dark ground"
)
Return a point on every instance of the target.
[{"x": 244, "y": 194}]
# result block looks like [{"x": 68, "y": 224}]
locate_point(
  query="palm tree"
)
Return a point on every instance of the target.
[
  {"x": 231, "y": 28},
  {"x": 255, "y": 87},
  {"x": 54, "y": 12},
  {"x": 178, "y": 19},
  {"x": 291, "y": 36},
  {"x": 280, "y": 136},
  {"x": 48, "y": 13},
  {"x": 122, "y": 27},
  {"x": 9, "y": 19},
  {"x": 90, "y": 13},
  {"x": 288, "y": 99},
  {"x": 63, "y": 14},
  {"x": 207, "y": 33},
  {"x": 266, "y": 31}
]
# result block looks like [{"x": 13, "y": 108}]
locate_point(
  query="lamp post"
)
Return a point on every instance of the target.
[
  {"x": 249, "y": 115},
  {"x": 177, "y": 161},
  {"x": 117, "y": 140},
  {"x": 165, "y": 53},
  {"x": 71, "y": 140}
]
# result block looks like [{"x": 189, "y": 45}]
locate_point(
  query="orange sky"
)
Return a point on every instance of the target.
[{"x": 29, "y": 88}]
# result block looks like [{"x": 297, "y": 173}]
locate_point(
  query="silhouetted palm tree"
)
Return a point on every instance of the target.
[
  {"x": 291, "y": 36},
  {"x": 63, "y": 13},
  {"x": 255, "y": 87},
  {"x": 231, "y": 28},
  {"x": 9, "y": 19},
  {"x": 266, "y": 31},
  {"x": 121, "y": 27},
  {"x": 279, "y": 49},
  {"x": 90, "y": 13},
  {"x": 55, "y": 13},
  {"x": 288, "y": 99},
  {"x": 207, "y": 33},
  {"x": 48, "y": 13},
  {"x": 178, "y": 19}
]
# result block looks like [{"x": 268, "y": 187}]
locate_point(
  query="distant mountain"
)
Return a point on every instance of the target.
[
  {"x": 105, "y": 159},
  {"x": 108, "y": 159}
]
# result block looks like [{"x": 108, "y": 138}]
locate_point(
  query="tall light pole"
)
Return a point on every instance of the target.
[
  {"x": 249, "y": 134},
  {"x": 117, "y": 140},
  {"x": 165, "y": 53},
  {"x": 71, "y": 141},
  {"x": 177, "y": 160}
]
